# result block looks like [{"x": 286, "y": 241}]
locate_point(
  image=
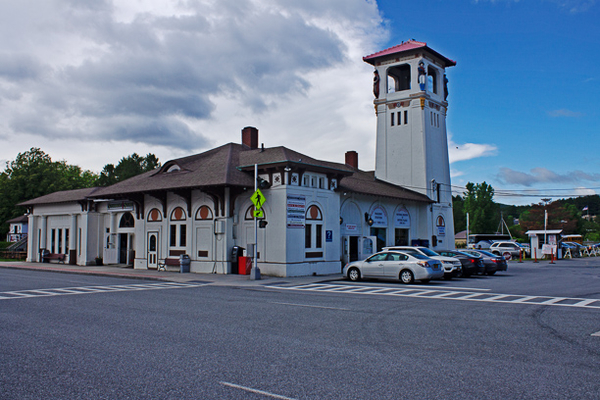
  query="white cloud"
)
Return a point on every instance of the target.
[
  {"x": 94, "y": 81},
  {"x": 544, "y": 175},
  {"x": 565, "y": 113},
  {"x": 468, "y": 151}
]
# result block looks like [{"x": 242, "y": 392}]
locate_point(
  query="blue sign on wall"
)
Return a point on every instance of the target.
[{"x": 329, "y": 236}]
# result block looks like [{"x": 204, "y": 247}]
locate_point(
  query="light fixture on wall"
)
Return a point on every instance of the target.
[{"x": 368, "y": 219}]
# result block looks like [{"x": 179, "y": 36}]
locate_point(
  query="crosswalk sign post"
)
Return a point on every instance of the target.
[{"x": 258, "y": 200}]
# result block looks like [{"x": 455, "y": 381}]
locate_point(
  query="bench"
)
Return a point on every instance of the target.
[
  {"x": 168, "y": 262},
  {"x": 54, "y": 256}
]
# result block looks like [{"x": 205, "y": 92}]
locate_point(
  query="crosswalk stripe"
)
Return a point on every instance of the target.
[
  {"x": 448, "y": 294},
  {"x": 28, "y": 293}
]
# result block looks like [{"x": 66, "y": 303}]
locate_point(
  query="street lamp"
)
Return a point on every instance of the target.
[{"x": 546, "y": 201}]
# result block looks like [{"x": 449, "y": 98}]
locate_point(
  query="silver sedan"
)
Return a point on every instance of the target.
[{"x": 395, "y": 265}]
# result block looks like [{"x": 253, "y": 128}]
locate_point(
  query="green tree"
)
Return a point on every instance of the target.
[
  {"x": 128, "y": 167},
  {"x": 33, "y": 174},
  {"x": 560, "y": 216},
  {"x": 458, "y": 211},
  {"x": 483, "y": 212}
]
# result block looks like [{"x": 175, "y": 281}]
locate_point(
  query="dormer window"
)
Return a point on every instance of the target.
[{"x": 173, "y": 168}]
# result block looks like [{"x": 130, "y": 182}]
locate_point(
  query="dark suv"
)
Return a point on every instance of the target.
[{"x": 471, "y": 264}]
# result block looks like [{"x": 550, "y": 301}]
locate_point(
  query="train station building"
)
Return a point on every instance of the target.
[{"x": 316, "y": 215}]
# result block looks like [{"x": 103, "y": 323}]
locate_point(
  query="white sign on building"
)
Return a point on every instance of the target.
[
  {"x": 402, "y": 219},
  {"x": 296, "y": 211}
]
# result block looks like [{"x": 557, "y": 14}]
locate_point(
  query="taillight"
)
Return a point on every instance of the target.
[{"x": 423, "y": 264}]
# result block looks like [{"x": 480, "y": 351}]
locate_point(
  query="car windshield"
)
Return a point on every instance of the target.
[
  {"x": 419, "y": 256},
  {"x": 429, "y": 253},
  {"x": 487, "y": 253}
]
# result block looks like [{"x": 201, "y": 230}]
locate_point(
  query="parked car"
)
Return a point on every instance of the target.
[
  {"x": 470, "y": 264},
  {"x": 492, "y": 262},
  {"x": 508, "y": 250},
  {"x": 579, "y": 248},
  {"x": 452, "y": 266},
  {"x": 482, "y": 244},
  {"x": 572, "y": 250},
  {"x": 395, "y": 265}
]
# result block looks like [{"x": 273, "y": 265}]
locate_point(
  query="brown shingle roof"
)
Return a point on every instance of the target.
[
  {"x": 64, "y": 196},
  {"x": 229, "y": 165},
  {"x": 366, "y": 183},
  {"x": 226, "y": 165},
  {"x": 19, "y": 219}
]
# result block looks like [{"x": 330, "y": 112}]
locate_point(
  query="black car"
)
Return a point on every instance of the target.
[
  {"x": 492, "y": 262},
  {"x": 470, "y": 264}
]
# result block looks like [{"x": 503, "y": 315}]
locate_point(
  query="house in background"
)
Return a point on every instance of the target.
[{"x": 17, "y": 229}]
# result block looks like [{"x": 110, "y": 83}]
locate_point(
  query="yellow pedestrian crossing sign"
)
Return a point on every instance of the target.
[{"x": 258, "y": 200}]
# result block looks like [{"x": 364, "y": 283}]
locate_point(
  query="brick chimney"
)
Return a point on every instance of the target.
[
  {"x": 352, "y": 159},
  {"x": 250, "y": 137}
]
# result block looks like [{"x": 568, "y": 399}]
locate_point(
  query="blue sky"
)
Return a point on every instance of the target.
[
  {"x": 91, "y": 82},
  {"x": 525, "y": 83}
]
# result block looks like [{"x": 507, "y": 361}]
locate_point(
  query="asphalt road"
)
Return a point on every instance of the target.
[{"x": 88, "y": 337}]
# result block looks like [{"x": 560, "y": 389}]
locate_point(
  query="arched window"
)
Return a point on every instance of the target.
[
  {"x": 313, "y": 228},
  {"x": 178, "y": 214},
  {"x": 154, "y": 215},
  {"x": 178, "y": 228},
  {"x": 204, "y": 212},
  {"x": 127, "y": 221}
]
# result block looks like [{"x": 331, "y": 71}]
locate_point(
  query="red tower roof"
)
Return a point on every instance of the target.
[{"x": 406, "y": 47}]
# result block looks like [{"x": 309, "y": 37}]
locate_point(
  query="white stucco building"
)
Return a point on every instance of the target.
[{"x": 320, "y": 214}]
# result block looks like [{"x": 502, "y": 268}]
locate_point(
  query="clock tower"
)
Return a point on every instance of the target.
[{"x": 410, "y": 89}]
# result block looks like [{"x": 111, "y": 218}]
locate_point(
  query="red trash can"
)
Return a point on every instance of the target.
[{"x": 244, "y": 265}]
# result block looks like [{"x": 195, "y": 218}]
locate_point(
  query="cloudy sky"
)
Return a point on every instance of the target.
[{"x": 92, "y": 81}]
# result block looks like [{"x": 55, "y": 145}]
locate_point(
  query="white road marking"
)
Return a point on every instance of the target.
[
  {"x": 585, "y": 302},
  {"x": 596, "y": 334},
  {"x": 310, "y": 306},
  {"x": 251, "y": 390},
  {"x": 524, "y": 299},
  {"x": 448, "y": 294},
  {"x": 554, "y": 300},
  {"x": 20, "y": 294}
]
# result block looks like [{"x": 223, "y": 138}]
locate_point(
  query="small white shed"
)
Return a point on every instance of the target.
[{"x": 537, "y": 238}]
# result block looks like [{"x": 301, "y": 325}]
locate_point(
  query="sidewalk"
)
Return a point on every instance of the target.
[{"x": 170, "y": 276}]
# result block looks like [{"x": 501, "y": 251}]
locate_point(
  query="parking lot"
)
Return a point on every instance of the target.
[{"x": 530, "y": 332}]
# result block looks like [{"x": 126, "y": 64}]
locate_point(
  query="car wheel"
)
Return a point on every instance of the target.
[
  {"x": 425, "y": 280},
  {"x": 507, "y": 256},
  {"x": 354, "y": 274},
  {"x": 407, "y": 276},
  {"x": 490, "y": 273}
]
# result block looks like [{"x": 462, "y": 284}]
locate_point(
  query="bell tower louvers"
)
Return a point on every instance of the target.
[{"x": 410, "y": 88}]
